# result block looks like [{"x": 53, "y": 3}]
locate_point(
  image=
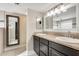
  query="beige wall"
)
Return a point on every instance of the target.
[
  {"x": 23, "y": 30},
  {"x": 1, "y": 40}
]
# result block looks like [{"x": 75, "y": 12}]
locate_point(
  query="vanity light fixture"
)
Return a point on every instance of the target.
[
  {"x": 52, "y": 12},
  {"x": 57, "y": 10}
]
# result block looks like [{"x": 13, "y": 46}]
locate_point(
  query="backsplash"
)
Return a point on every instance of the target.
[{"x": 72, "y": 34}]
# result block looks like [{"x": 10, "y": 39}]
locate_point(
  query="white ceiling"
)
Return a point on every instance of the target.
[
  {"x": 22, "y": 7},
  {"x": 42, "y": 7}
]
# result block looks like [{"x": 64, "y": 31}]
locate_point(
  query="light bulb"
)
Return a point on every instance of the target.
[
  {"x": 57, "y": 11},
  {"x": 53, "y": 13},
  {"x": 49, "y": 13},
  {"x": 63, "y": 8}
]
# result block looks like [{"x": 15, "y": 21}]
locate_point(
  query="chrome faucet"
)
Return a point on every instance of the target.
[{"x": 68, "y": 34}]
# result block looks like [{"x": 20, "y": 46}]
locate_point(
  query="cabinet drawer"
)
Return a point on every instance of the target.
[
  {"x": 53, "y": 52},
  {"x": 42, "y": 40},
  {"x": 42, "y": 54},
  {"x": 64, "y": 49},
  {"x": 44, "y": 48}
]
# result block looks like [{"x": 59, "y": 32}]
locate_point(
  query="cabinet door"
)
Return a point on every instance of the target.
[
  {"x": 42, "y": 40},
  {"x": 42, "y": 54},
  {"x": 36, "y": 44},
  {"x": 67, "y": 51},
  {"x": 44, "y": 48},
  {"x": 53, "y": 52}
]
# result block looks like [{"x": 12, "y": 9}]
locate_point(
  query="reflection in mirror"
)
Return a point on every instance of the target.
[
  {"x": 65, "y": 21},
  {"x": 12, "y": 30},
  {"x": 48, "y": 23}
]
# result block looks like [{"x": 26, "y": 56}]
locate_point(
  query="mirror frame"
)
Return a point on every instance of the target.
[{"x": 7, "y": 32}]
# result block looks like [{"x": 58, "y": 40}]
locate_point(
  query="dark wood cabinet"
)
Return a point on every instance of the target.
[
  {"x": 36, "y": 44},
  {"x": 42, "y": 54},
  {"x": 53, "y": 52},
  {"x": 64, "y": 49},
  {"x": 44, "y": 41},
  {"x": 45, "y": 47}
]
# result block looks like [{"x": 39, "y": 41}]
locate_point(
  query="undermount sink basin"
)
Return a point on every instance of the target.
[{"x": 68, "y": 40}]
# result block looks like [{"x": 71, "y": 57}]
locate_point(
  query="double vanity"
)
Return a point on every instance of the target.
[
  {"x": 60, "y": 33},
  {"x": 54, "y": 45}
]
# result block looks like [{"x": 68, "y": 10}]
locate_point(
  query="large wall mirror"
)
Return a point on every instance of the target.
[
  {"x": 66, "y": 21},
  {"x": 61, "y": 20},
  {"x": 12, "y": 30}
]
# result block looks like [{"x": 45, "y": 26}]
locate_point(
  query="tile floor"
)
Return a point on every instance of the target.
[
  {"x": 14, "y": 52},
  {"x": 25, "y": 53}
]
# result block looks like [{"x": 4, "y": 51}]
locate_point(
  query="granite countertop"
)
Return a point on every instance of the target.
[{"x": 53, "y": 38}]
